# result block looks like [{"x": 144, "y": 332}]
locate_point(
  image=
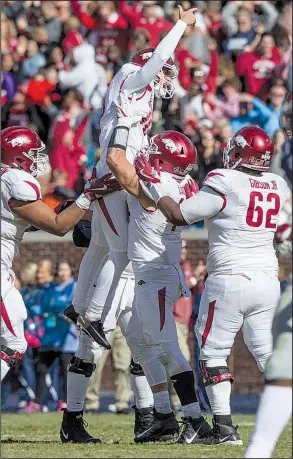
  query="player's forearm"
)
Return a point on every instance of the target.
[
  {"x": 171, "y": 210},
  {"x": 164, "y": 50},
  {"x": 124, "y": 172}
]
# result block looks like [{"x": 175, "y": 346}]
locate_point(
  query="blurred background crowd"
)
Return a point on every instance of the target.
[{"x": 58, "y": 58}]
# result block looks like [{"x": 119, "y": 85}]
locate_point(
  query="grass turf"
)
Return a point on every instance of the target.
[{"x": 37, "y": 435}]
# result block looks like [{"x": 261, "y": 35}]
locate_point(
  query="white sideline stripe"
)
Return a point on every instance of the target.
[
  {"x": 245, "y": 424},
  {"x": 41, "y": 236}
]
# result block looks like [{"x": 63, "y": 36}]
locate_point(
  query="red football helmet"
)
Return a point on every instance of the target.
[
  {"x": 163, "y": 83},
  {"x": 21, "y": 148},
  {"x": 250, "y": 147},
  {"x": 174, "y": 152},
  {"x": 283, "y": 239}
]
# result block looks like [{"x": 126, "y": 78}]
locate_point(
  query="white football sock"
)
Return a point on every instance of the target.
[
  {"x": 219, "y": 394},
  {"x": 106, "y": 283},
  {"x": 162, "y": 402},
  {"x": 274, "y": 412},
  {"x": 90, "y": 266},
  {"x": 192, "y": 410},
  {"x": 77, "y": 386},
  {"x": 4, "y": 369},
  {"x": 219, "y": 397},
  {"x": 142, "y": 391}
]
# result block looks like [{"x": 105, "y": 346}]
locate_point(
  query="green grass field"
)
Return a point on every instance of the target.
[{"x": 37, "y": 435}]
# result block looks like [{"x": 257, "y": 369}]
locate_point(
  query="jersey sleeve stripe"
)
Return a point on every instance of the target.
[
  {"x": 35, "y": 188},
  {"x": 6, "y": 319},
  {"x": 220, "y": 194},
  {"x": 212, "y": 174}
]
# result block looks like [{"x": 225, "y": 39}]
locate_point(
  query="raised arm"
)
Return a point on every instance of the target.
[{"x": 139, "y": 80}]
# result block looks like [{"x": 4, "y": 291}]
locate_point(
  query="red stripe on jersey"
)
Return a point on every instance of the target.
[
  {"x": 5, "y": 317},
  {"x": 212, "y": 174},
  {"x": 106, "y": 214},
  {"x": 162, "y": 306},
  {"x": 209, "y": 322},
  {"x": 220, "y": 194},
  {"x": 35, "y": 188}
]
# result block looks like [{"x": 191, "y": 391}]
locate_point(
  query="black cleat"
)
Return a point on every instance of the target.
[
  {"x": 95, "y": 330},
  {"x": 143, "y": 418},
  {"x": 163, "y": 427},
  {"x": 194, "y": 430},
  {"x": 73, "y": 429},
  {"x": 222, "y": 433}
]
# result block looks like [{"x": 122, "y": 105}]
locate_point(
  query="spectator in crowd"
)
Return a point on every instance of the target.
[
  {"x": 209, "y": 155},
  {"x": 182, "y": 311},
  {"x": 140, "y": 39},
  {"x": 60, "y": 339},
  {"x": 121, "y": 360},
  {"x": 104, "y": 15},
  {"x": 276, "y": 99},
  {"x": 258, "y": 66},
  {"x": 9, "y": 83},
  {"x": 228, "y": 105},
  {"x": 145, "y": 16},
  {"x": 65, "y": 143},
  {"x": 57, "y": 191},
  {"x": 245, "y": 35},
  {"x": 52, "y": 22},
  {"x": 262, "y": 12},
  {"x": 33, "y": 61},
  {"x": 33, "y": 291}
]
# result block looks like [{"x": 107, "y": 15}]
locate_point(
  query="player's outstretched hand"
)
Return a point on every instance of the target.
[
  {"x": 127, "y": 110},
  {"x": 187, "y": 16},
  {"x": 101, "y": 187}
]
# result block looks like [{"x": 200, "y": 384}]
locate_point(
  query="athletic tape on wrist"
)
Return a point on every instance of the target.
[{"x": 83, "y": 202}]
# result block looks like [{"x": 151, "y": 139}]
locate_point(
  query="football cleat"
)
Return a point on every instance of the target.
[
  {"x": 143, "y": 418},
  {"x": 194, "y": 430},
  {"x": 222, "y": 433},
  {"x": 95, "y": 330},
  {"x": 73, "y": 429},
  {"x": 70, "y": 315},
  {"x": 163, "y": 427}
]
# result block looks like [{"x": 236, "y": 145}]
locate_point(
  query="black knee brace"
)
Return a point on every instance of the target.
[
  {"x": 184, "y": 385},
  {"x": 214, "y": 375},
  {"x": 135, "y": 369},
  {"x": 76, "y": 365},
  {"x": 10, "y": 356}
]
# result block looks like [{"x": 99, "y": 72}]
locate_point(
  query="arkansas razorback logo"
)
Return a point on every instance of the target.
[{"x": 19, "y": 141}]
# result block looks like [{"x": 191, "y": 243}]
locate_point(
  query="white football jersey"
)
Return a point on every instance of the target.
[
  {"x": 24, "y": 187},
  {"x": 152, "y": 241},
  {"x": 241, "y": 235},
  {"x": 138, "y": 134}
]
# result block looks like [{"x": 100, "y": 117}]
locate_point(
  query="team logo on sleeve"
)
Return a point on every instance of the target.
[
  {"x": 19, "y": 141},
  {"x": 146, "y": 55},
  {"x": 240, "y": 141},
  {"x": 170, "y": 145}
]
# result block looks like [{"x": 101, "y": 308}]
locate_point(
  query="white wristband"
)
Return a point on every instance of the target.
[
  {"x": 83, "y": 202},
  {"x": 124, "y": 121}
]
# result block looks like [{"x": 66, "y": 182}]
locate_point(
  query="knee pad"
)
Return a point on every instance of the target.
[
  {"x": 171, "y": 357},
  {"x": 216, "y": 374},
  {"x": 76, "y": 365},
  {"x": 135, "y": 369},
  {"x": 10, "y": 356}
]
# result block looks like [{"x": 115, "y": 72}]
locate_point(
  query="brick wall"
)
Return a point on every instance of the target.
[{"x": 247, "y": 377}]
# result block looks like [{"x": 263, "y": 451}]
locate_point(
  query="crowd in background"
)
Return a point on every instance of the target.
[{"x": 58, "y": 58}]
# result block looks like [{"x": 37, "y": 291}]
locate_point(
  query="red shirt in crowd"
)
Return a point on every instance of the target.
[
  {"x": 257, "y": 69},
  {"x": 182, "y": 309},
  {"x": 62, "y": 156},
  {"x": 114, "y": 21},
  {"x": 138, "y": 21},
  {"x": 183, "y": 57}
]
